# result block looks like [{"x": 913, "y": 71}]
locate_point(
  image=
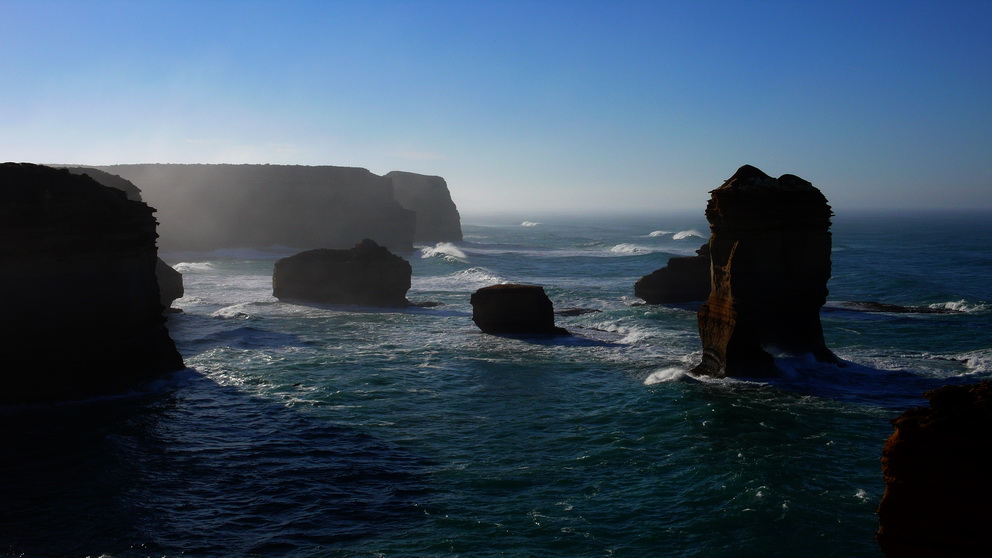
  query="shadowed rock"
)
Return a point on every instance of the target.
[
  {"x": 683, "y": 279},
  {"x": 770, "y": 262},
  {"x": 366, "y": 275},
  {"x": 514, "y": 310},
  {"x": 936, "y": 466},
  {"x": 170, "y": 283},
  {"x": 82, "y": 314}
]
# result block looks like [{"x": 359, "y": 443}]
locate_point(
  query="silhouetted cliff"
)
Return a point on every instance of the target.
[
  {"x": 81, "y": 315},
  {"x": 202, "y": 207}
]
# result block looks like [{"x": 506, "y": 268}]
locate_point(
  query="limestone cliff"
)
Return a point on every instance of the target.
[
  {"x": 770, "y": 252},
  {"x": 204, "y": 207},
  {"x": 82, "y": 315},
  {"x": 936, "y": 465},
  {"x": 428, "y": 196}
]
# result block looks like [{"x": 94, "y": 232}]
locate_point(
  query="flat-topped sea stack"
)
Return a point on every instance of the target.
[
  {"x": 206, "y": 207},
  {"x": 936, "y": 466},
  {"x": 82, "y": 315},
  {"x": 437, "y": 217},
  {"x": 683, "y": 279},
  {"x": 770, "y": 262},
  {"x": 366, "y": 275},
  {"x": 514, "y": 310}
]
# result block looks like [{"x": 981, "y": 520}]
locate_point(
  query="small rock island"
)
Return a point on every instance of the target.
[
  {"x": 514, "y": 310},
  {"x": 366, "y": 275}
]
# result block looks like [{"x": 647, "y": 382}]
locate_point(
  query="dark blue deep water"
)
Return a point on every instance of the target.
[{"x": 331, "y": 431}]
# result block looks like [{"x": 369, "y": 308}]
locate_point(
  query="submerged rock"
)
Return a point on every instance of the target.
[
  {"x": 514, "y": 310},
  {"x": 683, "y": 279},
  {"x": 366, "y": 275},
  {"x": 936, "y": 465},
  {"x": 82, "y": 313},
  {"x": 770, "y": 252}
]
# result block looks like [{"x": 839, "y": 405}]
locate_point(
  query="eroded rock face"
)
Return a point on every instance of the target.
[
  {"x": 82, "y": 315},
  {"x": 170, "y": 283},
  {"x": 366, "y": 275},
  {"x": 514, "y": 310},
  {"x": 437, "y": 217},
  {"x": 936, "y": 467},
  {"x": 683, "y": 279},
  {"x": 770, "y": 262}
]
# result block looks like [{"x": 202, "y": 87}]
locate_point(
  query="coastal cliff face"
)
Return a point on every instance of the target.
[
  {"x": 205, "y": 207},
  {"x": 367, "y": 275},
  {"x": 770, "y": 252},
  {"x": 437, "y": 217},
  {"x": 935, "y": 465},
  {"x": 82, "y": 315}
]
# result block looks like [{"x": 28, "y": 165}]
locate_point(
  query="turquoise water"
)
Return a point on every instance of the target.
[{"x": 334, "y": 431}]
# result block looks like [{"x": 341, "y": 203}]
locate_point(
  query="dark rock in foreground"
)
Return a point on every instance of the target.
[
  {"x": 770, "y": 252},
  {"x": 366, "y": 275},
  {"x": 683, "y": 279},
  {"x": 936, "y": 466},
  {"x": 82, "y": 315},
  {"x": 437, "y": 217},
  {"x": 514, "y": 310}
]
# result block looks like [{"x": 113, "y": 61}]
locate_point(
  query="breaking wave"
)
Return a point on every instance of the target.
[
  {"x": 444, "y": 250},
  {"x": 630, "y": 249},
  {"x": 529, "y": 224},
  {"x": 959, "y": 306},
  {"x": 687, "y": 234},
  {"x": 470, "y": 279},
  {"x": 659, "y": 233}
]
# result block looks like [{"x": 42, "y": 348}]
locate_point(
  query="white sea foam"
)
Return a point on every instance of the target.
[
  {"x": 444, "y": 250},
  {"x": 665, "y": 375},
  {"x": 470, "y": 279},
  {"x": 529, "y": 224},
  {"x": 687, "y": 234},
  {"x": 959, "y": 306},
  {"x": 977, "y": 362},
  {"x": 239, "y": 311},
  {"x": 630, "y": 249},
  {"x": 194, "y": 267},
  {"x": 660, "y": 233}
]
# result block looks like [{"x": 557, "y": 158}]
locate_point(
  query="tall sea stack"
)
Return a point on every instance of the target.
[
  {"x": 770, "y": 262},
  {"x": 82, "y": 315}
]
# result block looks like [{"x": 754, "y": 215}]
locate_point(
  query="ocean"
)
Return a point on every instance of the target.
[{"x": 311, "y": 430}]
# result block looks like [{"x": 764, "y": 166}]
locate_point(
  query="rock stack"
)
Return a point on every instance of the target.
[
  {"x": 366, "y": 275},
  {"x": 770, "y": 262},
  {"x": 514, "y": 310},
  {"x": 683, "y": 279}
]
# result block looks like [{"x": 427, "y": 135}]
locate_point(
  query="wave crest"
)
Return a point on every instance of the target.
[
  {"x": 959, "y": 306},
  {"x": 659, "y": 233},
  {"x": 630, "y": 249},
  {"x": 687, "y": 234},
  {"x": 529, "y": 224},
  {"x": 470, "y": 279},
  {"x": 444, "y": 250}
]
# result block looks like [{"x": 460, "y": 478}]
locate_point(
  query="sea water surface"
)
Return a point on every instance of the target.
[{"x": 313, "y": 430}]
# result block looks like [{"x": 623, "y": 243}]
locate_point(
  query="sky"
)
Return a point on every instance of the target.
[{"x": 522, "y": 106}]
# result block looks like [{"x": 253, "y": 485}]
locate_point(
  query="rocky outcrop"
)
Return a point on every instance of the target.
[
  {"x": 936, "y": 465},
  {"x": 366, "y": 275},
  {"x": 82, "y": 315},
  {"x": 683, "y": 279},
  {"x": 514, "y": 310},
  {"x": 770, "y": 251},
  {"x": 205, "y": 207},
  {"x": 170, "y": 283},
  {"x": 437, "y": 217}
]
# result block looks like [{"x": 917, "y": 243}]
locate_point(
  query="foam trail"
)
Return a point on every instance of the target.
[{"x": 686, "y": 234}]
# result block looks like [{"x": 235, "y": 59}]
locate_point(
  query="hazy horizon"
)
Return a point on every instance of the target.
[{"x": 520, "y": 106}]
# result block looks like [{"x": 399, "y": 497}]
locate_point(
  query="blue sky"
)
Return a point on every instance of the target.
[{"x": 521, "y": 106}]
